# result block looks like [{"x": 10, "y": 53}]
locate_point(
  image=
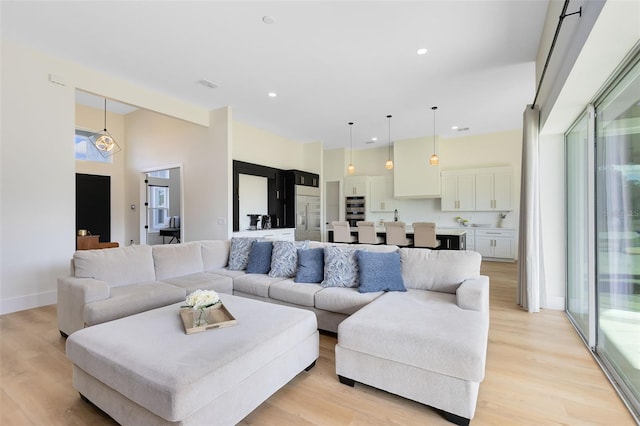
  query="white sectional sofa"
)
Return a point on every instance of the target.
[{"x": 426, "y": 342}]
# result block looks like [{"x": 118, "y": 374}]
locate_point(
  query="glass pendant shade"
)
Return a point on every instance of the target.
[
  {"x": 103, "y": 141},
  {"x": 389, "y": 164},
  {"x": 351, "y": 168},
  {"x": 434, "y": 160}
]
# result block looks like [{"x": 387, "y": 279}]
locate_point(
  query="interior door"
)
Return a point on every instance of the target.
[{"x": 93, "y": 205}]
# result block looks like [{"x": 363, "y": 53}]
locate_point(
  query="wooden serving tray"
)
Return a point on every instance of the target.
[{"x": 217, "y": 318}]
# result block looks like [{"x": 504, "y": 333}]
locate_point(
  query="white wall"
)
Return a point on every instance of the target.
[
  {"x": 155, "y": 141},
  {"x": 92, "y": 119},
  {"x": 37, "y": 179},
  {"x": 258, "y": 146}
]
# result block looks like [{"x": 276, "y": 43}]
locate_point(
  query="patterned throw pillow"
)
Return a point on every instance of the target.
[
  {"x": 340, "y": 267},
  {"x": 284, "y": 258},
  {"x": 239, "y": 253}
]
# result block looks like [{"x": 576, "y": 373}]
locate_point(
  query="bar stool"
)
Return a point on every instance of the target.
[
  {"x": 342, "y": 232},
  {"x": 397, "y": 234},
  {"x": 367, "y": 233},
  {"x": 424, "y": 235}
]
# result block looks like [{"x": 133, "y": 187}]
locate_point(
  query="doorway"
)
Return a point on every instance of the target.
[
  {"x": 332, "y": 206},
  {"x": 93, "y": 205},
  {"x": 162, "y": 216}
]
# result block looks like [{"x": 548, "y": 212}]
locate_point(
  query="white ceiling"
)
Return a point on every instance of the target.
[{"x": 329, "y": 62}]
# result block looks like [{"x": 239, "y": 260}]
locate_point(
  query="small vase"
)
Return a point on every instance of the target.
[{"x": 200, "y": 317}]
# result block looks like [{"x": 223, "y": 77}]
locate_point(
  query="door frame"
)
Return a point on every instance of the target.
[{"x": 143, "y": 217}]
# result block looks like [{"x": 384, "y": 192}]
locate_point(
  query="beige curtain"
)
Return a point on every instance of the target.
[{"x": 531, "y": 288}]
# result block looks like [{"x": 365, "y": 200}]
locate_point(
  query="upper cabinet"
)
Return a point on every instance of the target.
[
  {"x": 458, "y": 191},
  {"x": 356, "y": 186},
  {"x": 493, "y": 189},
  {"x": 305, "y": 178},
  {"x": 381, "y": 199},
  {"x": 413, "y": 177},
  {"x": 488, "y": 189}
]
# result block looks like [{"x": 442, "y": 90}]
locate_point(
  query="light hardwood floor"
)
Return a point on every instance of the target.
[{"x": 538, "y": 373}]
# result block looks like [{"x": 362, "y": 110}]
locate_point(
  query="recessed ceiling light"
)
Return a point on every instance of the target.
[
  {"x": 272, "y": 94},
  {"x": 422, "y": 51},
  {"x": 268, "y": 19},
  {"x": 454, "y": 127},
  {"x": 374, "y": 139}
]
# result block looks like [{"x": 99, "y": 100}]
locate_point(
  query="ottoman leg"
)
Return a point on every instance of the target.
[
  {"x": 346, "y": 381},
  {"x": 313, "y": 364}
]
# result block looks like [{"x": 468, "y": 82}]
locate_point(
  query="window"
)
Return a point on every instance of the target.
[
  {"x": 85, "y": 150},
  {"x": 158, "y": 207}
]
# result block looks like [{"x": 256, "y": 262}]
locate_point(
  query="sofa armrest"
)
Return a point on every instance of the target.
[
  {"x": 73, "y": 294},
  {"x": 473, "y": 294}
]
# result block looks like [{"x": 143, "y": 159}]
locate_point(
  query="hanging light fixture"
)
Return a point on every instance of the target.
[
  {"x": 434, "y": 160},
  {"x": 351, "y": 168},
  {"x": 389, "y": 164},
  {"x": 103, "y": 141}
]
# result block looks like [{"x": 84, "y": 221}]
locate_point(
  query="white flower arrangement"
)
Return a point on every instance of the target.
[{"x": 202, "y": 299}]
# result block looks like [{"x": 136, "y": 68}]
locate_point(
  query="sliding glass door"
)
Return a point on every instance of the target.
[
  {"x": 580, "y": 264},
  {"x": 618, "y": 231}
]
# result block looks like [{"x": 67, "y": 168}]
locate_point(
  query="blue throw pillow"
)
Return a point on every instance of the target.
[
  {"x": 310, "y": 266},
  {"x": 260, "y": 257},
  {"x": 379, "y": 272}
]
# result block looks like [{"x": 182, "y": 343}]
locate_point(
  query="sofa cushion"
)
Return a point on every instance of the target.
[
  {"x": 438, "y": 270},
  {"x": 176, "y": 260},
  {"x": 254, "y": 284},
  {"x": 436, "y": 335},
  {"x": 239, "y": 253},
  {"x": 203, "y": 281},
  {"x": 340, "y": 267},
  {"x": 343, "y": 300},
  {"x": 379, "y": 272},
  {"x": 131, "y": 299},
  {"x": 284, "y": 259},
  {"x": 260, "y": 257},
  {"x": 292, "y": 292},
  {"x": 116, "y": 266},
  {"x": 310, "y": 266},
  {"x": 215, "y": 254}
]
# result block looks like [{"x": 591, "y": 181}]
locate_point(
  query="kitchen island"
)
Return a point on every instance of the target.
[{"x": 450, "y": 239}]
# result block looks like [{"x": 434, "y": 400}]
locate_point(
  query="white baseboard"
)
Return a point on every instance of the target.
[
  {"x": 20, "y": 303},
  {"x": 556, "y": 303}
]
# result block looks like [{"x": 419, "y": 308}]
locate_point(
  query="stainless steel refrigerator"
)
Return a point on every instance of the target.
[{"x": 307, "y": 213}]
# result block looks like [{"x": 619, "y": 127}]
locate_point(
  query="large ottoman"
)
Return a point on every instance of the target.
[
  {"x": 420, "y": 345},
  {"x": 144, "y": 369}
]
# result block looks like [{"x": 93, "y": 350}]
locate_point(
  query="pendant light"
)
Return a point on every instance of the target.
[
  {"x": 103, "y": 141},
  {"x": 434, "y": 160},
  {"x": 389, "y": 164},
  {"x": 351, "y": 168}
]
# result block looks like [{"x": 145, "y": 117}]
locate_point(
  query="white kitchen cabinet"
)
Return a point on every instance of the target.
[
  {"x": 458, "y": 191},
  {"x": 356, "y": 186},
  {"x": 413, "y": 176},
  {"x": 381, "y": 199},
  {"x": 495, "y": 243},
  {"x": 493, "y": 189}
]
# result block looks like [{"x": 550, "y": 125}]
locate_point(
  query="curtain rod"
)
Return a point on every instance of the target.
[{"x": 563, "y": 15}]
